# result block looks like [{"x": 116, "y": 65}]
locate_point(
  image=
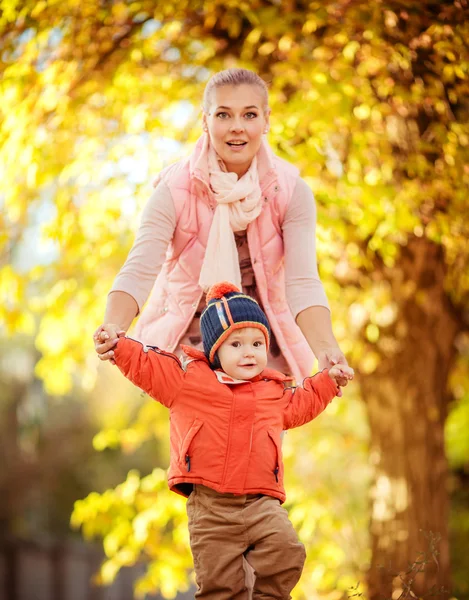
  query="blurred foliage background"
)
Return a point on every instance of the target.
[{"x": 370, "y": 101}]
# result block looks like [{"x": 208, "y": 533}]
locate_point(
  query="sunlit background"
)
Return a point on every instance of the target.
[{"x": 371, "y": 102}]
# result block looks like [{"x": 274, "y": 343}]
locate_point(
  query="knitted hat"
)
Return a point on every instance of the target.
[{"x": 228, "y": 309}]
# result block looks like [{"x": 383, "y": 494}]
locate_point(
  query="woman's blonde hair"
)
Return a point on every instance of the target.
[{"x": 234, "y": 77}]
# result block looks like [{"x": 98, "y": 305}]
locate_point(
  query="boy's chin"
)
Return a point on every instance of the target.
[{"x": 245, "y": 373}]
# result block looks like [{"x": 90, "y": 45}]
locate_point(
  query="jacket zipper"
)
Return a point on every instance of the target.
[
  {"x": 228, "y": 446},
  {"x": 277, "y": 458},
  {"x": 187, "y": 456}
]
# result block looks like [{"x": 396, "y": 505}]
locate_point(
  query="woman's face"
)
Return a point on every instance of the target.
[{"x": 235, "y": 123}]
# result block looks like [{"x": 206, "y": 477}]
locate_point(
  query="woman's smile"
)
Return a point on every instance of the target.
[{"x": 237, "y": 145}]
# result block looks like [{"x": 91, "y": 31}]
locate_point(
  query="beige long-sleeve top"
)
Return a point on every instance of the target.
[{"x": 147, "y": 255}]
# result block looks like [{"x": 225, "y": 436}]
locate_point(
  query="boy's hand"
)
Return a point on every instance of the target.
[
  {"x": 330, "y": 357},
  {"x": 105, "y": 338},
  {"x": 341, "y": 374}
]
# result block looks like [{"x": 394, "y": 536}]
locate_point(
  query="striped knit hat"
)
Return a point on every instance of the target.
[{"x": 228, "y": 309}]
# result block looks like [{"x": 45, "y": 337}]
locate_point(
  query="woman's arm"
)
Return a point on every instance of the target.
[
  {"x": 121, "y": 308},
  {"x": 316, "y": 325},
  {"x": 303, "y": 285},
  {"x": 135, "y": 280},
  {"x": 305, "y": 292}
]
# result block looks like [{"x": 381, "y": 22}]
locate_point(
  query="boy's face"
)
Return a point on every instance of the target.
[{"x": 243, "y": 355}]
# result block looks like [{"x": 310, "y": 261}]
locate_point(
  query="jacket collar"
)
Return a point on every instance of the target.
[{"x": 271, "y": 374}]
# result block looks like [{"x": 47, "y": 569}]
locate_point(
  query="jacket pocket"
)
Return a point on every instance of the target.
[
  {"x": 278, "y": 456},
  {"x": 185, "y": 454}
]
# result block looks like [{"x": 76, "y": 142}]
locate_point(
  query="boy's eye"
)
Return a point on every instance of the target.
[
  {"x": 235, "y": 344},
  {"x": 258, "y": 344}
]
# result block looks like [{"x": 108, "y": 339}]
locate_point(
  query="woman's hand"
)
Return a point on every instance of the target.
[
  {"x": 327, "y": 359},
  {"x": 341, "y": 373},
  {"x": 105, "y": 338}
]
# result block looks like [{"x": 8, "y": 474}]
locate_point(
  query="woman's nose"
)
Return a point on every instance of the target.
[{"x": 236, "y": 125}]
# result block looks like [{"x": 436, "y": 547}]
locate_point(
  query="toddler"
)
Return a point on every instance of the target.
[{"x": 227, "y": 414}]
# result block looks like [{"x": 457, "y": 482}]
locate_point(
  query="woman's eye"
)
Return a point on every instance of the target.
[
  {"x": 222, "y": 115},
  {"x": 251, "y": 115}
]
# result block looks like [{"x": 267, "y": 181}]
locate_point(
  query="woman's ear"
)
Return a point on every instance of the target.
[
  {"x": 267, "y": 120},
  {"x": 204, "y": 122}
]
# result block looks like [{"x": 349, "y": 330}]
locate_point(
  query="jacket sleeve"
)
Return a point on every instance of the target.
[
  {"x": 156, "y": 372},
  {"x": 308, "y": 401}
]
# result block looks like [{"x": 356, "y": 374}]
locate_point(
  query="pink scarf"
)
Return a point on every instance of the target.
[{"x": 238, "y": 204}]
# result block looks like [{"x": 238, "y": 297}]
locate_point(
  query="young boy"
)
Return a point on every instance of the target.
[{"x": 227, "y": 414}]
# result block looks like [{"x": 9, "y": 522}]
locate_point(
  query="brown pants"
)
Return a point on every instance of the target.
[{"x": 225, "y": 528}]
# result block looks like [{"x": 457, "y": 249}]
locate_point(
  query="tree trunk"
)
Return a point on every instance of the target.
[{"x": 407, "y": 401}]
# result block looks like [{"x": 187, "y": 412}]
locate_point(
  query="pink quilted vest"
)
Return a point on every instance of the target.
[{"x": 176, "y": 293}]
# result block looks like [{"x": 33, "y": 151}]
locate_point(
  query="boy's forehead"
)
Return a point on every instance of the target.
[{"x": 246, "y": 332}]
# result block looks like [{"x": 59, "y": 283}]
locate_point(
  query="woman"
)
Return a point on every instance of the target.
[{"x": 231, "y": 211}]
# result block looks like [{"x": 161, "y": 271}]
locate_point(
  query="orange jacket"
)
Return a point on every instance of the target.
[{"x": 226, "y": 437}]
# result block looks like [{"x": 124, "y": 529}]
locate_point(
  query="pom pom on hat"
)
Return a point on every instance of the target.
[{"x": 219, "y": 290}]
